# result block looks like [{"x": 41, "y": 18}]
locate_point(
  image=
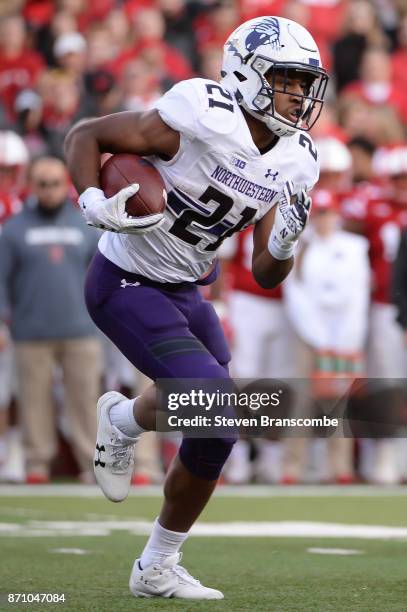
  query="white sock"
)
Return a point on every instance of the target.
[
  {"x": 121, "y": 416},
  {"x": 162, "y": 543}
]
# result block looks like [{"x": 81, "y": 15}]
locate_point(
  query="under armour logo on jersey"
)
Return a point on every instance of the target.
[
  {"x": 271, "y": 174},
  {"x": 124, "y": 284},
  {"x": 100, "y": 449}
]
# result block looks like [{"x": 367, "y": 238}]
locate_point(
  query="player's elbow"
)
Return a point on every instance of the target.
[
  {"x": 265, "y": 281},
  {"x": 269, "y": 272},
  {"x": 82, "y": 129}
]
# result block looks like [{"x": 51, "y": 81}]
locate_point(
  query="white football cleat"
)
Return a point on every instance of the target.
[
  {"x": 168, "y": 580},
  {"x": 114, "y": 454}
]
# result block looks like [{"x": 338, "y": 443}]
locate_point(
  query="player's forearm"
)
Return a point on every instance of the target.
[
  {"x": 270, "y": 272},
  {"x": 126, "y": 132},
  {"x": 83, "y": 156},
  {"x": 276, "y": 235}
]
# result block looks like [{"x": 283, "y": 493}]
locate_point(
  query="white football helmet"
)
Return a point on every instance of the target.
[
  {"x": 13, "y": 151},
  {"x": 333, "y": 154},
  {"x": 267, "y": 47},
  {"x": 14, "y": 157},
  {"x": 391, "y": 162}
]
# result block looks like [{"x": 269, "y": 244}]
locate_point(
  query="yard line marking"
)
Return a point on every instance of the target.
[
  {"x": 30, "y": 513},
  {"x": 79, "y": 490},
  {"x": 277, "y": 529},
  {"x": 70, "y": 551},
  {"x": 335, "y": 551}
]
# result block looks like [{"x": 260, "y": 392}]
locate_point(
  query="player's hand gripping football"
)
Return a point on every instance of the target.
[
  {"x": 110, "y": 213},
  {"x": 289, "y": 222}
]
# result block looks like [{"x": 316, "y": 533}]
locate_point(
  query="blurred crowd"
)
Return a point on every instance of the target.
[{"x": 341, "y": 315}]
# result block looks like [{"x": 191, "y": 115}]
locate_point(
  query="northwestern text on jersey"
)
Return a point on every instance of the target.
[{"x": 242, "y": 185}]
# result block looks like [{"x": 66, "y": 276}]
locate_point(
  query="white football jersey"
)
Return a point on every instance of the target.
[{"x": 218, "y": 183}]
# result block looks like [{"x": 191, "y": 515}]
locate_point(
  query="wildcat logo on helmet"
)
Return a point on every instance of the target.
[{"x": 266, "y": 32}]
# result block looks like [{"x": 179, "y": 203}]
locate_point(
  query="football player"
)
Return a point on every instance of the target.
[
  {"x": 381, "y": 219},
  {"x": 232, "y": 154},
  {"x": 263, "y": 347},
  {"x": 14, "y": 158}
]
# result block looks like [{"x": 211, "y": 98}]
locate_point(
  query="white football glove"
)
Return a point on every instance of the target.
[
  {"x": 110, "y": 214},
  {"x": 289, "y": 222}
]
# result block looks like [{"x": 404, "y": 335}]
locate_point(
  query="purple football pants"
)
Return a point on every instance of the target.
[{"x": 165, "y": 331}]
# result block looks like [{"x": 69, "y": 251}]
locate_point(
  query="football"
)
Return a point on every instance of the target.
[{"x": 122, "y": 170}]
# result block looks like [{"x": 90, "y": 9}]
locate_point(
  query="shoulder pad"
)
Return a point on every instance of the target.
[
  {"x": 199, "y": 108},
  {"x": 306, "y": 167}
]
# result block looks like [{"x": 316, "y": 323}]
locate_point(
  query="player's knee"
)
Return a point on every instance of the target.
[
  {"x": 216, "y": 342},
  {"x": 206, "y": 457}
]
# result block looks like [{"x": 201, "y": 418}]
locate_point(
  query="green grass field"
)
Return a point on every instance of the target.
[{"x": 275, "y": 574}]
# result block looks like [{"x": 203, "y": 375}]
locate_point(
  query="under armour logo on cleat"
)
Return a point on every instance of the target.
[
  {"x": 125, "y": 284},
  {"x": 269, "y": 173},
  {"x": 100, "y": 449}
]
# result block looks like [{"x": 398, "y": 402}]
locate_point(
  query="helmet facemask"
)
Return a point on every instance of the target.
[{"x": 263, "y": 105}]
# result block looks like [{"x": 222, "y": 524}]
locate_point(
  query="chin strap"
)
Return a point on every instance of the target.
[{"x": 280, "y": 129}]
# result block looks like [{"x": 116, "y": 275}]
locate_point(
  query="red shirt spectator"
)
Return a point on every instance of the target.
[
  {"x": 375, "y": 86},
  {"x": 388, "y": 95},
  {"x": 399, "y": 58},
  {"x": 19, "y": 67},
  {"x": 165, "y": 61},
  {"x": 326, "y": 18},
  {"x": 38, "y": 12},
  {"x": 327, "y": 125},
  {"x": 382, "y": 225},
  {"x": 399, "y": 62},
  {"x": 132, "y": 7},
  {"x": 85, "y": 12},
  {"x": 250, "y": 9},
  {"x": 215, "y": 26},
  {"x": 382, "y": 219}
]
